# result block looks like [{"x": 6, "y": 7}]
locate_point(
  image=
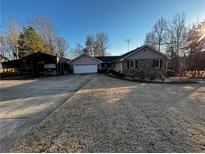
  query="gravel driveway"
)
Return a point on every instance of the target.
[
  {"x": 25, "y": 103},
  {"x": 111, "y": 115}
]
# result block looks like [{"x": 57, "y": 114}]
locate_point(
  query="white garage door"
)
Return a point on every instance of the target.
[{"x": 85, "y": 68}]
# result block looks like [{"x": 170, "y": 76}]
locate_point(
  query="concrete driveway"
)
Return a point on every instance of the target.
[
  {"x": 25, "y": 103},
  {"x": 111, "y": 115}
]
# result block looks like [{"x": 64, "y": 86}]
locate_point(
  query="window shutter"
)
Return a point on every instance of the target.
[
  {"x": 136, "y": 64},
  {"x": 128, "y": 64},
  {"x": 152, "y": 63},
  {"x": 160, "y": 63}
]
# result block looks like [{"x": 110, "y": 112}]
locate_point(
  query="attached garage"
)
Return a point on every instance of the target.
[
  {"x": 85, "y": 68},
  {"x": 85, "y": 64}
]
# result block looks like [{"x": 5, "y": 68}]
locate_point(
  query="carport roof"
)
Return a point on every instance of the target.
[
  {"x": 41, "y": 54},
  {"x": 12, "y": 63},
  {"x": 17, "y": 62}
]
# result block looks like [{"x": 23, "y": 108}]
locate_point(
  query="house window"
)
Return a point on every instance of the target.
[
  {"x": 156, "y": 63},
  {"x": 131, "y": 64}
]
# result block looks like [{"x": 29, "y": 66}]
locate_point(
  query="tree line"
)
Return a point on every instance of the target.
[
  {"x": 39, "y": 34},
  {"x": 95, "y": 45},
  {"x": 184, "y": 45}
]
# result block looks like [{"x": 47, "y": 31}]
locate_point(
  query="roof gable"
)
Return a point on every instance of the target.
[
  {"x": 85, "y": 55},
  {"x": 148, "y": 48}
]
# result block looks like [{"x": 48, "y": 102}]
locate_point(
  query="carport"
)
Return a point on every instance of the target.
[{"x": 37, "y": 64}]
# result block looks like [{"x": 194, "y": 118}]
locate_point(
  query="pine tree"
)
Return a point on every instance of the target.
[{"x": 30, "y": 42}]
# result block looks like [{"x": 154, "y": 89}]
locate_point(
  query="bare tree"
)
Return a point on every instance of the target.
[
  {"x": 45, "y": 27},
  {"x": 61, "y": 46},
  {"x": 150, "y": 39},
  {"x": 160, "y": 29},
  {"x": 156, "y": 38},
  {"x": 128, "y": 43},
  {"x": 4, "y": 49},
  {"x": 179, "y": 32},
  {"x": 78, "y": 50},
  {"x": 13, "y": 33},
  {"x": 196, "y": 47},
  {"x": 176, "y": 40},
  {"x": 101, "y": 44},
  {"x": 89, "y": 45},
  {"x": 170, "y": 36}
]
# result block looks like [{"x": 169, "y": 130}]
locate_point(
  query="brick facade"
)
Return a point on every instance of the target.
[{"x": 144, "y": 69}]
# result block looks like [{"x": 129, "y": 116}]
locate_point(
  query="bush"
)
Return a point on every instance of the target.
[
  {"x": 119, "y": 74},
  {"x": 170, "y": 73},
  {"x": 152, "y": 76},
  {"x": 111, "y": 71},
  {"x": 102, "y": 71},
  {"x": 141, "y": 75},
  {"x": 162, "y": 77},
  {"x": 70, "y": 71}
]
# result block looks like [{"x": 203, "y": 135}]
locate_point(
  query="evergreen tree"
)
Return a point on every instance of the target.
[{"x": 30, "y": 42}]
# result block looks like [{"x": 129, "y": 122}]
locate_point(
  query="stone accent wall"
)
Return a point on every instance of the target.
[{"x": 144, "y": 69}]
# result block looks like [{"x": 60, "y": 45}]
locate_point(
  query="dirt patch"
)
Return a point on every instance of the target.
[{"x": 111, "y": 115}]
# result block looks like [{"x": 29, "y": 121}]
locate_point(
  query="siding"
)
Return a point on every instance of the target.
[
  {"x": 84, "y": 59},
  {"x": 118, "y": 67}
]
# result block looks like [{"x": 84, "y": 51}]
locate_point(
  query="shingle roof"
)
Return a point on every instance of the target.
[
  {"x": 139, "y": 49},
  {"x": 117, "y": 58},
  {"x": 130, "y": 52},
  {"x": 44, "y": 54},
  {"x": 108, "y": 58}
]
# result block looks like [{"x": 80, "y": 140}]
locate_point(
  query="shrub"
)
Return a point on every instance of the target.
[
  {"x": 152, "y": 76},
  {"x": 119, "y": 74},
  {"x": 70, "y": 71},
  {"x": 102, "y": 71},
  {"x": 170, "y": 73},
  {"x": 162, "y": 77},
  {"x": 141, "y": 75},
  {"x": 111, "y": 71}
]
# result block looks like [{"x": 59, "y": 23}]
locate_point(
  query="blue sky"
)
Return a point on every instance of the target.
[{"x": 120, "y": 19}]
